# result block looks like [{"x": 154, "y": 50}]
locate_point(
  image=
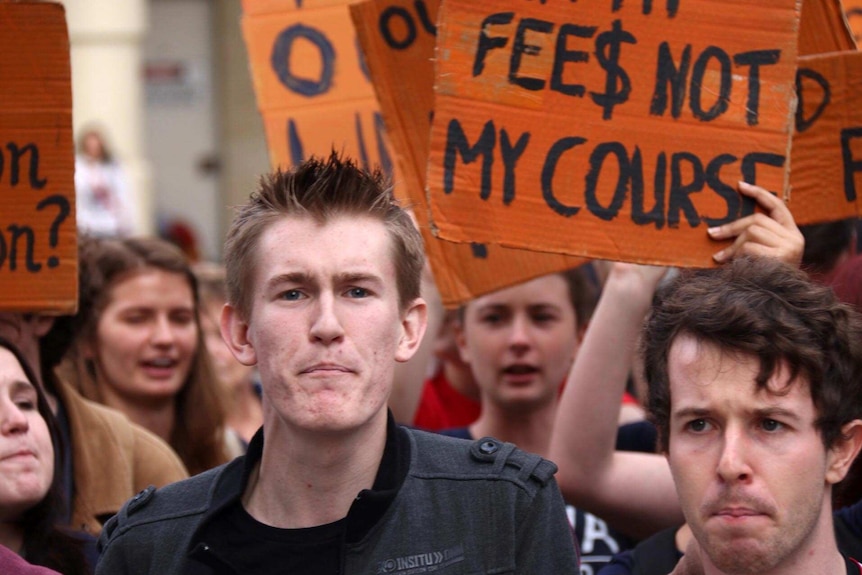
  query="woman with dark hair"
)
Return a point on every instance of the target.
[
  {"x": 139, "y": 347},
  {"x": 31, "y": 503}
]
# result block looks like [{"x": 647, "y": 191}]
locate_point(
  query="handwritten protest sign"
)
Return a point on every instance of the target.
[
  {"x": 38, "y": 248},
  {"x": 398, "y": 38},
  {"x": 827, "y": 147},
  {"x": 311, "y": 85},
  {"x": 613, "y": 130}
]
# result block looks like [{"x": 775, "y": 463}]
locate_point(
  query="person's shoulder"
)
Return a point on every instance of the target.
[
  {"x": 481, "y": 459},
  {"x": 13, "y": 564},
  {"x": 179, "y": 501},
  {"x": 155, "y": 461},
  {"x": 152, "y": 459}
]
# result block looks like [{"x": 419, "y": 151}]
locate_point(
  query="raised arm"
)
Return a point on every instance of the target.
[{"x": 633, "y": 492}]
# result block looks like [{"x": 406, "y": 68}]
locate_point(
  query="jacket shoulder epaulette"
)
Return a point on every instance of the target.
[
  {"x": 481, "y": 458},
  {"x": 177, "y": 500}
]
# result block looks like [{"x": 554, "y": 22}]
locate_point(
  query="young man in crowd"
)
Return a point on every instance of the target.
[
  {"x": 323, "y": 271},
  {"x": 755, "y": 375}
]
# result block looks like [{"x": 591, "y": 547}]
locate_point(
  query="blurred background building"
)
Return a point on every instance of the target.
[{"x": 168, "y": 83}]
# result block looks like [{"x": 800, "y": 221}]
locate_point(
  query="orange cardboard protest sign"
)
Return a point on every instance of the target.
[
  {"x": 823, "y": 28},
  {"x": 38, "y": 246},
  {"x": 398, "y": 39},
  {"x": 596, "y": 129},
  {"x": 826, "y": 178},
  {"x": 311, "y": 85}
]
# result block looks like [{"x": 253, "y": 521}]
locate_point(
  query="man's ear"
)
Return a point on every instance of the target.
[
  {"x": 841, "y": 455},
  {"x": 413, "y": 323},
  {"x": 234, "y": 331}
]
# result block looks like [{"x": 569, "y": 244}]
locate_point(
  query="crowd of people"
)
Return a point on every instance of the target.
[{"x": 281, "y": 413}]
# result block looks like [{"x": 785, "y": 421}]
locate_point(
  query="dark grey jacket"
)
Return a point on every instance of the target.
[{"x": 462, "y": 508}]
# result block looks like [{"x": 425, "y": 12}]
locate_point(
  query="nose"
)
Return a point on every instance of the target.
[
  {"x": 734, "y": 464},
  {"x": 520, "y": 338},
  {"x": 14, "y": 420},
  {"x": 325, "y": 324},
  {"x": 163, "y": 333}
]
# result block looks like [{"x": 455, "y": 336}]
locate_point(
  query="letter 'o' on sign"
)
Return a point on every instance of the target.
[
  {"x": 281, "y": 63},
  {"x": 386, "y": 27}
]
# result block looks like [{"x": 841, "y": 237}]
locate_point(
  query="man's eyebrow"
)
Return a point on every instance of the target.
[
  {"x": 290, "y": 277},
  {"x": 773, "y": 412},
  {"x": 357, "y": 277},
  {"x": 693, "y": 412}
]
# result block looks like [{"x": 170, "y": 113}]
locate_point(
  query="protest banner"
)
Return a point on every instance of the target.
[
  {"x": 826, "y": 178},
  {"x": 614, "y": 130},
  {"x": 398, "y": 39},
  {"x": 311, "y": 85},
  {"x": 38, "y": 245}
]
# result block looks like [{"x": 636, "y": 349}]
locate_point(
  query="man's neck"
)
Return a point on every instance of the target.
[
  {"x": 157, "y": 417},
  {"x": 307, "y": 479},
  {"x": 530, "y": 430}
]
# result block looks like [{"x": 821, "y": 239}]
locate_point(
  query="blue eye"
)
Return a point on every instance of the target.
[
  {"x": 291, "y": 295},
  {"x": 357, "y": 292},
  {"x": 771, "y": 425}
]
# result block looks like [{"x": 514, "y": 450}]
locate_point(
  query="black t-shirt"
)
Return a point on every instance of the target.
[
  {"x": 230, "y": 540},
  {"x": 264, "y": 550}
]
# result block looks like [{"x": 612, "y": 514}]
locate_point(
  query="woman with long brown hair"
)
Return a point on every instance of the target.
[{"x": 139, "y": 346}]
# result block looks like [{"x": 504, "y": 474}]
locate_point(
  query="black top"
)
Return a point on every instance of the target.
[{"x": 232, "y": 541}]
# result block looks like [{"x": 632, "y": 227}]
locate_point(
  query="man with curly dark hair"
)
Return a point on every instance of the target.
[{"x": 755, "y": 375}]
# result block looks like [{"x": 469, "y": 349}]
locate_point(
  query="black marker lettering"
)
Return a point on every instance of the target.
[
  {"x": 487, "y": 42},
  {"x": 563, "y": 55},
  {"x": 698, "y": 73},
  {"x": 456, "y": 144},
  {"x": 755, "y": 60},
  {"x": 560, "y": 146},
  {"x": 520, "y": 47}
]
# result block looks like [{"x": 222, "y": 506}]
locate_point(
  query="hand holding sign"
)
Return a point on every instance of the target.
[{"x": 773, "y": 233}]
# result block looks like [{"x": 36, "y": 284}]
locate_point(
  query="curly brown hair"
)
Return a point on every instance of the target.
[{"x": 770, "y": 310}]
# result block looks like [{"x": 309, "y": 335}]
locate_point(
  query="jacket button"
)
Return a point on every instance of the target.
[{"x": 488, "y": 447}]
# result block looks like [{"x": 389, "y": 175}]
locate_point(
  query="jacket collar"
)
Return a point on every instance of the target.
[{"x": 367, "y": 509}]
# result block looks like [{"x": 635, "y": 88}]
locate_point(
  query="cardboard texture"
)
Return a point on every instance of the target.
[
  {"x": 574, "y": 128},
  {"x": 311, "y": 88},
  {"x": 38, "y": 246},
  {"x": 823, "y": 28},
  {"x": 398, "y": 39},
  {"x": 827, "y": 147},
  {"x": 853, "y": 13}
]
